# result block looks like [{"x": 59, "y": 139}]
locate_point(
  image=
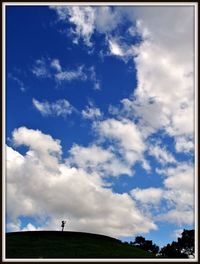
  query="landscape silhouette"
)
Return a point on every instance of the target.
[{"x": 69, "y": 244}]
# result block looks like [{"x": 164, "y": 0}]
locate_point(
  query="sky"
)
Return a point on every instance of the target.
[{"x": 100, "y": 120}]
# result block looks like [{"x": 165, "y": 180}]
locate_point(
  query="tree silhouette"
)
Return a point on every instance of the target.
[
  {"x": 146, "y": 245},
  {"x": 183, "y": 248}
]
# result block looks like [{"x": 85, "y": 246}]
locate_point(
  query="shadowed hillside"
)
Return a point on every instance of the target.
[{"x": 56, "y": 244}]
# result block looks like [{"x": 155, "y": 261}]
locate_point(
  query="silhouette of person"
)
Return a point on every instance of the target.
[{"x": 63, "y": 225}]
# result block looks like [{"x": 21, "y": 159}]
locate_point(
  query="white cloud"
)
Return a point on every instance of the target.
[
  {"x": 55, "y": 63},
  {"x": 180, "y": 177},
  {"x": 81, "y": 17},
  {"x": 126, "y": 135},
  {"x": 43, "y": 149},
  {"x": 91, "y": 112},
  {"x": 93, "y": 78},
  {"x": 81, "y": 73},
  {"x": 58, "y": 108},
  {"x": 42, "y": 107},
  {"x": 40, "y": 69},
  {"x": 99, "y": 160},
  {"x": 115, "y": 48},
  {"x": 88, "y": 19},
  {"x": 164, "y": 96},
  {"x": 36, "y": 140},
  {"x": 35, "y": 189},
  {"x": 177, "y": 194},
  {"x": 161, "y": 154},
  {"x": 184, "y": 144},
  {"x": 178, "y": 217},
  {"x": 145, "y": 164},
  {"x": 174, "y": 33},
  {"x": 30, "y": 227},
  {"x": 51, "y": 68},
  {"x": 61, "y": 11},
  {"x": 163, "y": 99},
  {"x": 177, "y": 233},
  {"x": 167, "y": 81},
  {"x": 148, "y": 196},
  {"x": 71, "y": 75},
  {"x": 152, "y": 116},
  {"x": 106, "y": 19},
  {"x": 155, "y": 77},
  {"x": 179, "y": 199},
  {"x": 13, "y": 226},
  {"x": 18, "y": 81}
]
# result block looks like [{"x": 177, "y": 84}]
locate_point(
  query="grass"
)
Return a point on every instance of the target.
[{"x": 56, "y": 244}]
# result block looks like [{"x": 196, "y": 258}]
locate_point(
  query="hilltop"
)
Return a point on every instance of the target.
[{"x": 57, "y": 244}]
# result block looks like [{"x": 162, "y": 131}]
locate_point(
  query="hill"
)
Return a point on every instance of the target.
[{"x": 57, "y": 244}]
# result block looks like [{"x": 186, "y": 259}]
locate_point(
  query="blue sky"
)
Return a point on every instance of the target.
[{"x": 100, "y": 120}]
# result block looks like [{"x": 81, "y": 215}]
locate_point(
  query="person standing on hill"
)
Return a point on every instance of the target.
[{"x": 63, "y": 225}]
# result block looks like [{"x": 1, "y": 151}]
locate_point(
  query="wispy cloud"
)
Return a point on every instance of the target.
[
  {"x": 58, "y": 108},
  {"x": 115, "y": 48},
  {"x": 71, "y": 75},
  {"x": 82, "y": 18},
  {"x": 91, "y": 112},
  {"x": 88, "y": 19},
  {"x": 40, "y": 69},
  {"x": 52, "y": 68},
  {"x": 93, "y": 77},
  {"x": 55, "y": 63},
  {"x": 19, "y": 82}
]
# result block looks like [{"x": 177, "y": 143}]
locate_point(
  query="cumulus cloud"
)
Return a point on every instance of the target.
[
  {"x": 35, "y": 189},
  {"x": 30, "y": 227},
  {"x": 99, "y": 160},
  {"x": 180, "y": 177},
  {"x": 173, "y": 110},
  {"x": 58, "y": 108},
  {"x": 126, "y": 135},
  {"x": 161, "y": 154},
  {"x": 164, "y": 95},
  {"x": 171, "y": 34},
  {"x": 177, "y": 217},
  {"x": 107, "y": 19},
  {"x": 184, "y": 144},
  {"x": 148, "y": 196},
  {"x": 163, "y": 100},
  {"x": 43, "y": 149},
  {"x": 177, "y": 193}
]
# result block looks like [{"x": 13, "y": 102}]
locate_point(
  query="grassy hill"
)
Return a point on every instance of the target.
[{"x": 56, "y": 244}]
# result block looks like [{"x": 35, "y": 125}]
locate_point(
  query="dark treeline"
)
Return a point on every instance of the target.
[{"x": 182, "y": 248}]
